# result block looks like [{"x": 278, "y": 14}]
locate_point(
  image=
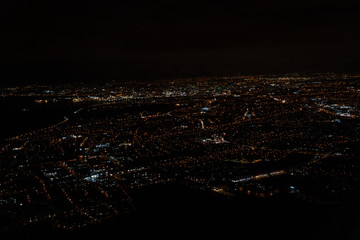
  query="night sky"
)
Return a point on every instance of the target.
[{"x": 60, "y": 41}]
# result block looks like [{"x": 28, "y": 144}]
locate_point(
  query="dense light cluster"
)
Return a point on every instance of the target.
[{"x": 259, "y": 135}]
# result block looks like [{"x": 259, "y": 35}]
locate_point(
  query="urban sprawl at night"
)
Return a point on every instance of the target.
[{"x": 263, "y": 136}]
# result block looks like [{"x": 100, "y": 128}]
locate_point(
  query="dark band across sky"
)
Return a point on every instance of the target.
[{"x": 62, "y": 40}]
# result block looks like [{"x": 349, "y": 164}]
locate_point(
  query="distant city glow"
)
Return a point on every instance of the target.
[{"x": 264, "y": 136}]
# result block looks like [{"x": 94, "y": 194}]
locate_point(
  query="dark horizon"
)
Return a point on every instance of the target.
[{"x": 63, "y": 41}]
